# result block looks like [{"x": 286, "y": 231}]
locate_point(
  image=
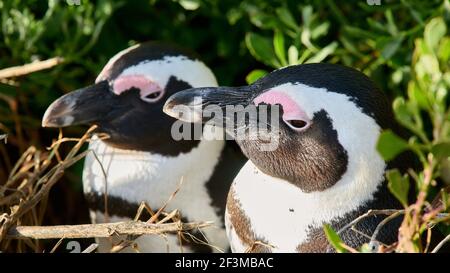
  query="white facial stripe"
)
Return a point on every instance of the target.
[
  {"x": 111, "y": 62},
  {"x": 195, "y": 73},
  {"x": 261, "y": 195}
]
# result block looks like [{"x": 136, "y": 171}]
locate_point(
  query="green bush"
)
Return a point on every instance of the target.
[{"x": 403, "y": 45}]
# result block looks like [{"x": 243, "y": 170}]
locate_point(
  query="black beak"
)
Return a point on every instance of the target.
[
  {"x": 83, "y": 106},
  {"x": 199, "y": 104}
]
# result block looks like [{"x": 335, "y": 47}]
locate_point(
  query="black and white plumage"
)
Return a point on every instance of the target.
[
  {"x": 141, "y": 159},
  {"x": 326, "y": 169}
]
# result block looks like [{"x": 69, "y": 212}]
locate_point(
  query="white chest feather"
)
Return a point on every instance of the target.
[
  {"x": 294, "y": 212},
  {"x": 141, "y": 176}
]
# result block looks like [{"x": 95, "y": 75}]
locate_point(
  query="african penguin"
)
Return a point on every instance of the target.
[
  {"x": 325, "y": 169},
  {"x": 142, "y": 161}
]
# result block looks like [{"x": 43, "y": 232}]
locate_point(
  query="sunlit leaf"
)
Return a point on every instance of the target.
[
  {"x": 261, "y": 48},
  {"x": 402, "y": 113},
  {"x": 418, "y": 95},
  {"x": 334, "y": 239},
  {"x": 398, "y": 185},
  {"x": 307, "y": 12},
  {"x": 390, "y": 145},
  {"x": 255, "y": 75},
  {"x": 434, "y": 31},
  {"x": 189, "y": 4},
  {"x": 293, "y": 55},
  {"x": 320, "y": 30},
  {"x": 278, "y": 45},
  {"x": 323, "y": 53},
  {"x": 444, "y": 50}
]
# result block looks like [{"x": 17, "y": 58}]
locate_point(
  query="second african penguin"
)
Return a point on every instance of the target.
[
  {"x": 325, "y": 169},
  {"x": 142, "y": 160}
]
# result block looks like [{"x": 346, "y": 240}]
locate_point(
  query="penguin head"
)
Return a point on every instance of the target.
[
  {"x": 330, "y": 117},
  {"x": 127, "y": 98}
]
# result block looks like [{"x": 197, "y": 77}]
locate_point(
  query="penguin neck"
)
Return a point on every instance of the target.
[
  {"x": 137, "y": 176},
  {"x": 297, "y": 210}
]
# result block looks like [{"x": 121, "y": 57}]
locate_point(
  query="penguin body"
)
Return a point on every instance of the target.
[{"x": 141, "y": 161}]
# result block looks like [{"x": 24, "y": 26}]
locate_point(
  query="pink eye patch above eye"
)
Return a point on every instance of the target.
[
  {"x": 149, "y": 90},
  {"x": 291, "y": 110}
]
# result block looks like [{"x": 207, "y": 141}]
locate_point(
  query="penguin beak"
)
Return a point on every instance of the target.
[
  {"x": 197, "y": 105},
  {"x": 83, "y": 106}
]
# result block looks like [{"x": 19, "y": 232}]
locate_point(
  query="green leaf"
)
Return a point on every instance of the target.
[
  {"x": 389, "y": 46},
  {"x": 307, "y": 14},
  {"x": 278, "y": 45},
  {"x": 389, "y": 145},
  {"x": 427, "y": 64},
  {"x": 334, "y": 239},
  {"x": 402, "y": 113},
  {"x": 320, "y": 30},
  {"x": 255, "y": 75},
  {"x": 392, "y": 28},
  {"x": 323, "y": 53},
  {"x": 350, "y": 47},
  {"x": 306, "y": 53},
  {"x": 286, "y": 17},
  {"x": 441, "y": 150},
  {"x": 264, "y": 21},
  {"x": 398, "y": 185},
  {"x": 189, "y": 4},
  {"x": 359, "y": 33},
  {"x": 233, "y": 15},
  {"x": 376, "y": 25},
  {"x": 435, "y": 30},
  {"x": 444, "y": 50},
  {"x": 292, "y": 55},
  {"x": 417, "y": 95},
  {"x": 261, "y": 48}
]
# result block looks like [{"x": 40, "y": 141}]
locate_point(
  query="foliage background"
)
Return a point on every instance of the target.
[{"x": 403, "y": 45}]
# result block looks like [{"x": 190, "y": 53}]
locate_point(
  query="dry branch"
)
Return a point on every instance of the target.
[
  {"x": 99, "y": 230},
  {"x": 21, "y": 70},
  {"x": 41, "y": 181}
]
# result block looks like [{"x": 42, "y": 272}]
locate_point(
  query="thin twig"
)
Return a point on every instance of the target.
[
  {"x": 55, "y": 247},
  {"x": 155, "y": 217},
  {"x": 441, "y": 244},
  {"x": 251, "y": 248},
  {"x": 384, "y": 222},
  {"x": 428, "y": 242},
  {"x": 21, "y": 70},
  {"x": 365, "y": 215},
  {"x": 90, "y": 248}
]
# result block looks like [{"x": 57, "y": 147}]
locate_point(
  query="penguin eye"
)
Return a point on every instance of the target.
[
  {"x": 152, "y": 92},
  {"x": 153, "y": 96},
  {"x": 297, "y": 124}
]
